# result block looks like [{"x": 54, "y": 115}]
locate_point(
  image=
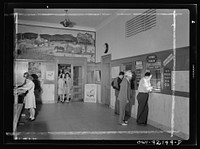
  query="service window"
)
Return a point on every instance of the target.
[
  {"x": 155, "y": 69},
  {"x": 156, "y": 78}
]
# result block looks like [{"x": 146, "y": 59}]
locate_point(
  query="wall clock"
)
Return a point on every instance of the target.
[{"x": 106, "y": 47}]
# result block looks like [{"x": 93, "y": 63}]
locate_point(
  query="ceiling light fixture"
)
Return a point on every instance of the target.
[{"x": 67, "y": 22}]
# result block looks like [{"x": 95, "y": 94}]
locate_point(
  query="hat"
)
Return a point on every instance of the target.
[{"x": 128, "y": 73}]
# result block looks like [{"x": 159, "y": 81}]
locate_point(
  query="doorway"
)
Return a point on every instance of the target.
[
  {"x": 64, "y": 83},
  {"x": 105, "y": 83},
  {"x": 77, "y": 72}
]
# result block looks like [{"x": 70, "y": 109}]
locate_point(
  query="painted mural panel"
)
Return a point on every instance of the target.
[
  {"x": 35, "y": 68},
  {"x": 45, "y": 43}
]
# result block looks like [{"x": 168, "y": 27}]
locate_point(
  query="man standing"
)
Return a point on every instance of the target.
[
  {"x": 143, "y": 94},
  {"x": 132, "y": 99},
  {"x": 116, "y": 85},
  {"x": 124, "y": 97}
]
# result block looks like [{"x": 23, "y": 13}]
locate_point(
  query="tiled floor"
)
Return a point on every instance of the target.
[{"x": 85, "y": 121}]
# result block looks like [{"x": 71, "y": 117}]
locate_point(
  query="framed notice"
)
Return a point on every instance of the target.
[
  {"x": 90, "y": 93},
  {"x": 50, "y": 75},
  {"x": 167, "y": 79},
  {"x": 138, "y": 65}
]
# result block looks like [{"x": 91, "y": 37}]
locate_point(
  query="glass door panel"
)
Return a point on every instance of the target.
[{"x": 77, "y": 83}]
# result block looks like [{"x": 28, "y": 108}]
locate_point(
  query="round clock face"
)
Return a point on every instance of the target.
[{"x": 106, "y": 47}]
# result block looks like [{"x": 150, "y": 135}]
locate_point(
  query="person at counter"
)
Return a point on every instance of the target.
[
  {"x": 30, "y": 102},
  {"x": 143, "y": 94},
  {"x": 22, "y": 94}
]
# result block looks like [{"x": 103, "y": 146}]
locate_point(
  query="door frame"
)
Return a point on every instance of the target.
[
  {"x": 73, "y": 61},
  {"x": 105, "y": 59}
]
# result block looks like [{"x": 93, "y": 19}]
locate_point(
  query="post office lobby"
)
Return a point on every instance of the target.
[{"x": 94, "y": 57}]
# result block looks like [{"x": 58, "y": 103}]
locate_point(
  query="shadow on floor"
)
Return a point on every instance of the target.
[{"x": 32, "y": 130}]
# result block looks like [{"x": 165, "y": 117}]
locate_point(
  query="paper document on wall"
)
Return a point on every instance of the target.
[
  {"x": 115, "y": 71},
  {"x": 50, "y": 75}
]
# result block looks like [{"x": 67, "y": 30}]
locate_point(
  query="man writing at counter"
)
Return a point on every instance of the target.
[{"x": 143, "y": 94}]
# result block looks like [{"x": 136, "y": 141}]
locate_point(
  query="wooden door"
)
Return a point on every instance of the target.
[
  {"x": 77, "y": 94},
  {"x": 105, "y": 83}
]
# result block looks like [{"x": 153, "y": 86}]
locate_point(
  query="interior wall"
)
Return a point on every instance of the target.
[
  {"x": 160, "y": 103},
  {"x": 158, "y": 38}
]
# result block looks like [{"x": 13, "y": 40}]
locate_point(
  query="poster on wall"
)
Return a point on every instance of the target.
[
  {"x": 139, "y": 67},
  {"x": 115, "y": 71},
  {"x": 35, "y": 68},
  {"x": 167, "y": 79},
  {"x": 37, "y": 42},
  {"x": 90, "y": 93},
  {"x": 50, "y": 75}
]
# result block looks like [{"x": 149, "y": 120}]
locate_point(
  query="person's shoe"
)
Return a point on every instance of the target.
[
  {"x": 142, "y": 124},
  {"x": 124, "y": 124},
  {"x": 32, "y": 119}
]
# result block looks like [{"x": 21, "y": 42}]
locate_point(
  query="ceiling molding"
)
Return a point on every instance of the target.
[
  {"x": 44, "y": 24},
  {"x": 109, "y": 19}
]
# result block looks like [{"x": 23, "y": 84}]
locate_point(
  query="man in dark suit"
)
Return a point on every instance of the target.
[
  {"x": 124, "y": 97},
  {"x": 116, "y": 85},
  {"x": 132, "y": 99}
]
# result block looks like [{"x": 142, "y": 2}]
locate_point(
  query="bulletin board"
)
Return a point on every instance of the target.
[{"x": 160, "y": 64}]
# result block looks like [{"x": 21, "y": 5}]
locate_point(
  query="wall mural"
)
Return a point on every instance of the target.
[{"x": 45, "y": 43}]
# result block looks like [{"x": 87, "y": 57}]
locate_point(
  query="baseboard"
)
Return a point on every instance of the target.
[{"x": 165, "y": 128}]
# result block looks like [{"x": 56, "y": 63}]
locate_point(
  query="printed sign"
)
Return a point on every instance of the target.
[
  {"x": 50, "y": 75},
  {"x": 151, "y": 58},
  {"x": 115, "y": 71},
  {"x": 156, "y": 65},
  {"x": 138, "y": 76},
  {"x": 90, "y": 93},
  {"x": 167, "y": 78},
  {"x": 138, "y": 65}
]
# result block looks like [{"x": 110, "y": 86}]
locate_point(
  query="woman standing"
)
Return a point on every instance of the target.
[
  {"x": 68, "y": 86},
  {"x": 61, "y": 87},
  {"x": 143, "y": 94},
  {"x": 30, "y": 102}
]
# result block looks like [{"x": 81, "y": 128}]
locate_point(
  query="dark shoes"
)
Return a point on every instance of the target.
[{"x": 142, "y": 124}]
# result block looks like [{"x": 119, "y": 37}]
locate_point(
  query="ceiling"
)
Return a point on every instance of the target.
[{"x": 90, "y": 18}]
